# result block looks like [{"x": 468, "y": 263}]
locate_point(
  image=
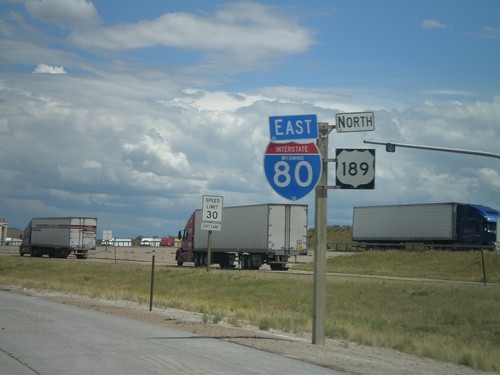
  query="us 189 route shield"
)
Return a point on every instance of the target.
[{"x": 292, "y": 169}]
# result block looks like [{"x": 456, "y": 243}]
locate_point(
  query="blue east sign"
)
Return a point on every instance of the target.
[{"x": 284, "y": 128}]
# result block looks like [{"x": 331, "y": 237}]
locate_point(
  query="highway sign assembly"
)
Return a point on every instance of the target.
[
  {"x": 355, "y": 168},
  {"x": 292, "y": 169}
]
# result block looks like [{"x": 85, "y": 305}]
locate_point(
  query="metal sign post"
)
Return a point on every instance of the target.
[
  {"x": 320, "y": 247},
  {"x": 209, "y": 250},
  {"x": 152, "y": 281}
]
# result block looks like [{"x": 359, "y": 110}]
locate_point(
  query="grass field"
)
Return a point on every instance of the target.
[
  {"x": 451, "y": 322},
  {"x": 439, "y": 265}
]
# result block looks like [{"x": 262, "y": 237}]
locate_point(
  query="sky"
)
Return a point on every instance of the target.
[{"x": 131, "y": 111}]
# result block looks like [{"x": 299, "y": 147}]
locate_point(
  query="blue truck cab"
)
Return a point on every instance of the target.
[{"x": 477, "y": 224}]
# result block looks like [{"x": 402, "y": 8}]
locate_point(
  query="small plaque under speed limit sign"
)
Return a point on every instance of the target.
[{"x": 355, "y": 168}]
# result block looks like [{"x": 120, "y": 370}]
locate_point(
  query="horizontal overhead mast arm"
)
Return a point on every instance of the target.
[{"x": 432, "y": 148}]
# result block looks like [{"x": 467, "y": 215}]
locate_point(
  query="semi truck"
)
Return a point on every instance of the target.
[
  {"x": 250, "y": 235},
  {"x": 57, "y": 237},
  {"x": 435, "y": 224}
]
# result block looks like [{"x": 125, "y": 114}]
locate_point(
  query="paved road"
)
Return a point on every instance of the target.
[{"x": 42, "y": 337}]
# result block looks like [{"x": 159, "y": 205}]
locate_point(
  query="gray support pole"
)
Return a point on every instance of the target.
[
  {"x": 209, "y": 250},
  {"x": 320, "y": 231},
  {"x": 151, "y": 292}
]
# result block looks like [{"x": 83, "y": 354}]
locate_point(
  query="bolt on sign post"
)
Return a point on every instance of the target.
[{"x": 211, "y": 219}]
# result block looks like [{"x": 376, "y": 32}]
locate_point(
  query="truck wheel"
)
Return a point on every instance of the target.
[
  {"x": 278, "y": 267},
  {"x": 244, "y": 262},
  {"x": 179, "y": 259},
  {"x": 36, "y": 253}
]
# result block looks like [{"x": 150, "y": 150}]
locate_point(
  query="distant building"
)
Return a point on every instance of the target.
[
  {"x": 3, "y": 231},
  {"x": 9, "y": 241},
  {"x": 149, "y": 241},
  {"x": 121, "y": 242}
]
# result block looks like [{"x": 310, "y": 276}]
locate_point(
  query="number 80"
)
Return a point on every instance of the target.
[{"x": 282, "y": 176}]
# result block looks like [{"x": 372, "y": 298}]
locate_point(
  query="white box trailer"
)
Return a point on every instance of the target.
[
  {"x": 57, "y": 237},
  {"x": 257, "y": 234},
  {"x": 450, "y": 223}
]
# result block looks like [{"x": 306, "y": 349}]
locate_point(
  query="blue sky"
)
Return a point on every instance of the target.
[{"x": 132, "y": 111}]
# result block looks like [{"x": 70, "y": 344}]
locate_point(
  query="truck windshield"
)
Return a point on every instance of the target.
[{"x": 491, "y": 227}]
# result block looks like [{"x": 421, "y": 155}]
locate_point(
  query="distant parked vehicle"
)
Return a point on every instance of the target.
[
  {"x": 57, "y": 237},
  {"x": 167, "y": 241}
]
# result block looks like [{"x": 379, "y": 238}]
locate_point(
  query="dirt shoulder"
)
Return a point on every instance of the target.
[{"x": 335, "y": 354}]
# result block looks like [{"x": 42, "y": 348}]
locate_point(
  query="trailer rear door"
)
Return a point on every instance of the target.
[{"x": 287, "y": 229}]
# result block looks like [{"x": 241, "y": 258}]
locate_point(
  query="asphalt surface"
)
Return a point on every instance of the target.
[{"x": 42, "y": 337}]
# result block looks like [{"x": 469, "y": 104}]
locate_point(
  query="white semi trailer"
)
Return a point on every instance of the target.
[
  {"x": 254, "y": 235},
  {"x": 450, "y": 224},
  {"x": 57, "y": 237}
]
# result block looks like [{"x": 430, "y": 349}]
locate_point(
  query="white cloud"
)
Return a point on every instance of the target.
[
  {"x": 238, "y": 35},
  {"x": 44, "y": 68},
  {"x": 433, "y": 24},
  {"x": 153, "y": 154},
  {"x": 448, "y": 92},
  {"x": 91, "y": 164},
  {"x": 4, "y": 127},
  {"x": 212, "y": 101},
  {"x": 64, "y": 13},
  {"x": 490, "y": 177},
  {"x": 488, "y": 32}
]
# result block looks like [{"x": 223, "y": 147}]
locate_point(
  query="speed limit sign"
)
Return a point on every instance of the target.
[
  {"x": 292, "y": 169},
  {"x": 212, "y": 212},
  {"x": 355, "y": 168}
]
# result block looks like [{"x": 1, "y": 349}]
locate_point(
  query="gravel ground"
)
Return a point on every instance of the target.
[{"x": 335, "y": 354}]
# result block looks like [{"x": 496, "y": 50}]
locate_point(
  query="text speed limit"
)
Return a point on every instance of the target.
[
  {"x": 355, "y": 168},
  {"x": 292, "y": 169}
]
